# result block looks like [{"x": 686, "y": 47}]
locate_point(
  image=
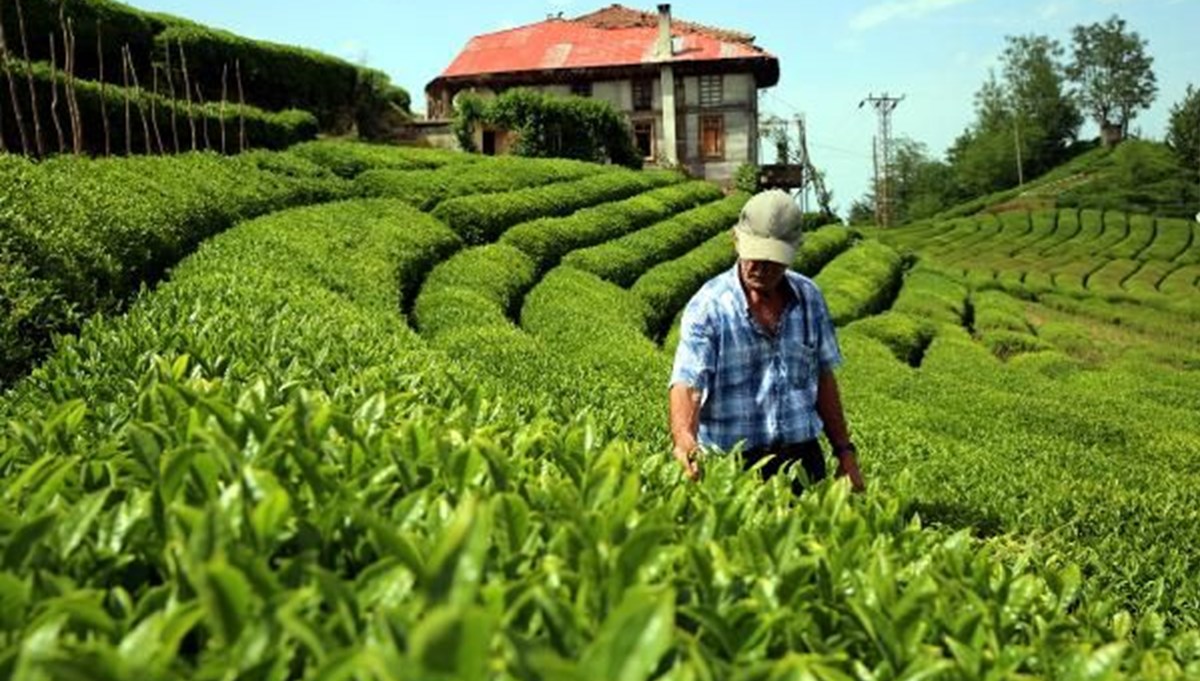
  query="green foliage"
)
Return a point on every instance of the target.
[
  {"x": 624, "y": 259},
  {"x": 1114, "y": 75},
  {"x": 547, "y": 125},
  {"x": 427, "y": 188},
  {"x": 481, "y": 219},
  {"x": 348, "y": 159},
  {"x": 263, "y": 129},
  {"x": 745, "y": 178},
  {"x": 862, "y": 282},
  {"x": 548, "y": 239},
  {"x": 1183, "y": 128},
  {"x": 86, "y": 234}
]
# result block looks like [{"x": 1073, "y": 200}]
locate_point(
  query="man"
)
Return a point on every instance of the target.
[{"x": 756, "y": 357}]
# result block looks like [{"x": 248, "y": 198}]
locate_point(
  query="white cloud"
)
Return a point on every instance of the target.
[
  {"x": 1054, "y": 8},
  {"x": 883, "y": 12}
]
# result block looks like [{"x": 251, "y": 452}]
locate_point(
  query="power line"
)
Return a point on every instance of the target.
[{"x": 884, "y": 105}]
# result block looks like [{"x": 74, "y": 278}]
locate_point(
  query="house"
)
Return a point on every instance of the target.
[{"x": 690, "y": 91}]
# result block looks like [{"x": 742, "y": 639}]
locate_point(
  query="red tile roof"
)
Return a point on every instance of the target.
[{"x": 612, "y": 37}]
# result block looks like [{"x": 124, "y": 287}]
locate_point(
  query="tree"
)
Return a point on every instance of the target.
[
  {"x": 1045, "y": 118},
  {"x": 1183, "y": 130},
  {"x": 1113, "y": 74}
]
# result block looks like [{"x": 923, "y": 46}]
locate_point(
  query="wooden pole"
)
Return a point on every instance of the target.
[
  {"x": 128, "y": 117},
  {"x": 203, "y": 117},
  {"x": 72, "y": 99},
  {"x": 103, "y": 96},
  {"x": 141, "y": 101},
  {"x": 224, "y": 96},
  {"x": 187, "y": 89},
  {"x": 154, "y": 111},
  {"x": 174, "y": 102},
  {"x": 62, "y": 144},
  {"x": 237, "y": 65},
  {"x": 12, "y": 91},
  {"x": 33, "y": 101}
]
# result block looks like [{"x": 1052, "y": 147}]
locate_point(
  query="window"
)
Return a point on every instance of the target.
[
  {"x": 712, "y": 90},
  {"x": 712, "y": 137},
  {"x": 583, "y": 89},
  {"x": 643, "y": 95},
  {"x": 643, "y": 138}
]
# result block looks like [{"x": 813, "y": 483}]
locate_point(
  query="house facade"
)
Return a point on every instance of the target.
[{"x": 690, "y": 91}]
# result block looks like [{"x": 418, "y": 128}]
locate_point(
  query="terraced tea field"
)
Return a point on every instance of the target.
[{"x": 404, "y": 416}]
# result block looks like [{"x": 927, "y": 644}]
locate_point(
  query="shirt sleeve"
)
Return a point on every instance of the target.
[
  {"x": 695, "y": 356},
  {"x": 829, "y": 354}
]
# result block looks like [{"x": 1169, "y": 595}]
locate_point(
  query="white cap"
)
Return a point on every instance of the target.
[{"x": 769, "y": 228}]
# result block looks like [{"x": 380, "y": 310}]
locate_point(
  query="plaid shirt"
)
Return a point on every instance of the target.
[{"x": 755, "y": 388}]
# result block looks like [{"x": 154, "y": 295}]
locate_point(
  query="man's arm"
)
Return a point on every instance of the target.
[
  {"x": 829, "y": 408},
  {"x": 685, "y": 424}
]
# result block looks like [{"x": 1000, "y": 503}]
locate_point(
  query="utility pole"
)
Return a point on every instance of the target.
[
  {"x": 884, "y": 105},
  {"x": 803, "y": 160}
]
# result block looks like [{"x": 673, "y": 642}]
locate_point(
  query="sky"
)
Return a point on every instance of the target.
[{"x": 934, "y": 53}]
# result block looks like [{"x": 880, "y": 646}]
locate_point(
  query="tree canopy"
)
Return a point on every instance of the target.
[
  {"x": 1183, "y": 130},
  {"x": 1113, "y": 73}
]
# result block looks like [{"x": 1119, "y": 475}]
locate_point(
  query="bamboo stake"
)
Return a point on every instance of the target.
[
  {"x": 154, "y": 111},
  {"x": 203, "y": 118},
  {"x": 103, "y": 98},
  {"x": 33, "y": 101},
  {"x": 62, "y": 144},
  {"x": 72, "y": 100},
  {"x": 174, "y": 102},
  {"x": 128, "y": 121},
  {"x": 224, "y": 95},
  {"x": 141, "y": 104},
  {"x": 12, "y": 91},
  {"x": 237, "y": 64},
  {"x": 187, "y": 88}
]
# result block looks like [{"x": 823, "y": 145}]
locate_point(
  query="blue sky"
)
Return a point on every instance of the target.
[{"x": 832, "y": 54}]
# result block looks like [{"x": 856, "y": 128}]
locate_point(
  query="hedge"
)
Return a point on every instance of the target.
[
  {"x": 481, "y": 219},
  {"x": 88, "y": 232},
  {"x": 349, "y": 159},
  {"x": 280, "y": 76},
  {"x": 427, "y": 188},
  {"x": 264, "y": 129},
  {"x": 623, "y": 260},
  {"x": 549, "y": 239},
  {"x": 274, "y": 77},
  {"x": 479, "y": 286},
  {"x": 862, "y": 281}
]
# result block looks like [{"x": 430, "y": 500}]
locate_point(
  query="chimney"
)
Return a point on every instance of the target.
[{"x": 664, "y": 47}]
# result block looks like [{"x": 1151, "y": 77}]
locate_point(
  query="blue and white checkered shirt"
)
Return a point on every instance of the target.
[{"x": 755, "y": 388}]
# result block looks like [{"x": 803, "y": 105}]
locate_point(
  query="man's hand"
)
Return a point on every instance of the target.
[
  {"x": 689, "y": 458},
  {"x": 848, "y": 467}
]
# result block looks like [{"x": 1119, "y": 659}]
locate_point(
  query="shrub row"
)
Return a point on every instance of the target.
[
  {"x": 348, "y": 159},
  {"x": 173, "y": 123},
  {"x": 623, "y": 260},
  {"x": 86, "y": 233},
  {"x": 482, "y": 219},
  {"x": 548, "y": 239},
  {"x": 864, "y": 280},
  {"x": 277, "y": 76},
  {"x": 477, "y": 287},
  {"x": 427, "y": 188},
  {"x": 821, "y": 247},
  {"x": 274, "y": 77}
]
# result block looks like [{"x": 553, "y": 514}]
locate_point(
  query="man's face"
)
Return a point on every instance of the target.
[{"x": 762, "y": 276}]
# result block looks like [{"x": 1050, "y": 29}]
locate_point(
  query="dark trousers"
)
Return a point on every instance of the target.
[{"x": 808, "y": 454}]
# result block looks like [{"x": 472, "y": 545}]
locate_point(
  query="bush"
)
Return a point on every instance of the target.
[
  {"x": 88, "y": 233},
  {"x": 862, "y": 281},
  {"x": 481, "y": 219},
  {"x": 623, "y": 260},
  {"x": 549, "y": 239},
  {"x": 264, "y": 129},
  {"x": 427, "y": 188},
  {"x": 547, "y": 125},
  {"x": 348, "y": 159}
]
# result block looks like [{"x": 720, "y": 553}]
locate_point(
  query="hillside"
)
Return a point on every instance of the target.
[
  {"x": 397, "y": 409},
  {"x": 182, "y": 60}
]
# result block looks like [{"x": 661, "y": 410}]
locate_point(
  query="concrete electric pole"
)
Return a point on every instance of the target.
[{"x": 884, "y": 200}]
